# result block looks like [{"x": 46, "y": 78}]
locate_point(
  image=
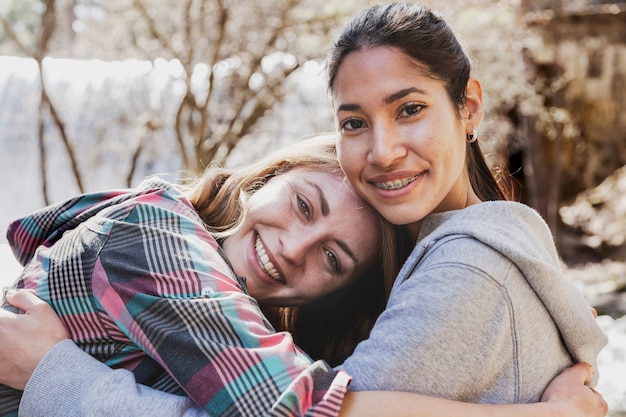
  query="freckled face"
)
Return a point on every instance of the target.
[
  {"x": 305, "y": 234},
  {"x": 402, "y": 142}
]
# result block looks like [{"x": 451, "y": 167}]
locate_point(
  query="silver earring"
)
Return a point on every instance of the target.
[{"x": 473, "y": 137}]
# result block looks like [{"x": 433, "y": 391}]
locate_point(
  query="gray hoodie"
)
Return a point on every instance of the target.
[{"x": 480, "y": 312}]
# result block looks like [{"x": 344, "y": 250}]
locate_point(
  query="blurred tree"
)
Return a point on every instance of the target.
[
  {"x": 229, "y": 60},
  {"x": 33, "y": 38},
  {"x": 234, "y": 56},
  {"x": 20, "y": 18}
]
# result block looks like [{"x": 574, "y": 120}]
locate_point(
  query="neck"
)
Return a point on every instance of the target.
[
  {"x": 414, "y": 231},
  {"x": 470, "y": 200}
]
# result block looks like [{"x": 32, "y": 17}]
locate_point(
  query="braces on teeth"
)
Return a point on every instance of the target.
[{"x": 393, "y": 185}]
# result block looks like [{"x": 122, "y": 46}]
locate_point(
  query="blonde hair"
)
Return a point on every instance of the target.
[
  {"x": 342, "y": 318},
  {"x": 220, "y": 195}
]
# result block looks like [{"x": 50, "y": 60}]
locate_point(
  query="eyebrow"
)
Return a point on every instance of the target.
[
  {"x": 346, "y": 249},
  {"x": 402, "y": 93},
  {"x": 325, "y": 210},
  {"x": 322, "y": 197},
  {"x": 386, "y": 100},
  {"x": 348, "y": 107}
]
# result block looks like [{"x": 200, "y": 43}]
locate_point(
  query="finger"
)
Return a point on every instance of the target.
[
  {"x": 603, "y": 405},
  {"x": 23, "y": 299},
  {"x": 581, "y": 372}
]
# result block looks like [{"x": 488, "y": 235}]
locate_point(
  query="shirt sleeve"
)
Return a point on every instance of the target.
[
  {"x": 84, "y": 387},
  {"x": 48, "y": 224},
  {"x": 160, "y": 279}
]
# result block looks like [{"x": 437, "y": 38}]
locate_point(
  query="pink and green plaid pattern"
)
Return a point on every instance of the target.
[{"x": 140, "y": 284}]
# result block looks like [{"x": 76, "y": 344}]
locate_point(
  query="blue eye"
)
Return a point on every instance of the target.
[
  {"x": 304, "y": 207},
  {"x": 332, "y": 259}
]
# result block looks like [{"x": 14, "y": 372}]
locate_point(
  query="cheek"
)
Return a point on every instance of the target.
[
  {"x": 349, "y": 158},
  {"x": 454, "y": 155},
  {"x": 267, "y": 197},
  {"x": 331, "y": 286}
]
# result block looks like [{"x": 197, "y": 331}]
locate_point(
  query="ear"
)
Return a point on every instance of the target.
[{"x": 474, "y": 104}]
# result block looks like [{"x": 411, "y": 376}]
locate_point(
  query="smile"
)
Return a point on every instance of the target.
[
  {"x": 396, "y": 184},
  {"x": 264, "y": 260}
]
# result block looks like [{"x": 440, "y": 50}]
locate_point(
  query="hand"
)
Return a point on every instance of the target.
[
  {"x": 26, "y": 338},
  {"x": 568, "y": 392}
]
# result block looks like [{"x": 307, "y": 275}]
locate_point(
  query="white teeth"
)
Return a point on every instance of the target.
[
  {"x": 396, "y": 184},
  {"x": 264, "y": 260}
]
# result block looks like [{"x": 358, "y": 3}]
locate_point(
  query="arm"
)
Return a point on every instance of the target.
[
  {"x": 96, "y": 390},
  {"x": 565, "y": 397},
  {"x": 40, "y": 348},
  {"x": 162, "y": 283},
  {"x": 442, "y": 324},
  {"x": 453, "y": 316}
]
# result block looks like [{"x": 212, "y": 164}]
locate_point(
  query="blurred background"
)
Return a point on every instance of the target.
[{"x": 100, "y": 93}]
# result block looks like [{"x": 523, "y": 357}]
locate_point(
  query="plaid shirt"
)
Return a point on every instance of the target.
[{"x": 140, "y": 284}]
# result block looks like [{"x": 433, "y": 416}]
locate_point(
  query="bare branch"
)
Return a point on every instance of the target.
[
  {"x": 42, "y": 151},
  {"x": 266, "y": 98},
  {"x": 48, "y": 23},
  {"x": 189, "y": 42},
  {"x": 62, "y": 132},
  {"x": 221, "y": 27},
  {"x": 178, "y": 127},
  {"x": 154, "y": 29},
  {"x": 145, "y": 125},
  {"x": 10, "y": 33}
]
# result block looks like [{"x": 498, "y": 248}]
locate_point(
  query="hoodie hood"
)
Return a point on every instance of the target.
[{"x": 521, "y": 235}]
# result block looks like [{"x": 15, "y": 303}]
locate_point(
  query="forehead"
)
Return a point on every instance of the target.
[
  {"x": 332, "y": 183},
  {"x": 378, "y": 67},
  {"x": 350, "y": 218},
  {"x": 344, "y": 203}
]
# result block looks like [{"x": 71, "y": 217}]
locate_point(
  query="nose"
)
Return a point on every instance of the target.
[
  {"x": 296, "y": 242},
  {"x": 386, "y": 146}
]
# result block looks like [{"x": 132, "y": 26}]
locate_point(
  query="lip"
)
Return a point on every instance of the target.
[
  {"x": 395, "y": 184},
  {"x": 258, "y": 269}
]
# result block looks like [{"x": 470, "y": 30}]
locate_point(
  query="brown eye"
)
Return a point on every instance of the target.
[
  {"x": 411, "y": 109},
  {"x": 352, "y": 124}
]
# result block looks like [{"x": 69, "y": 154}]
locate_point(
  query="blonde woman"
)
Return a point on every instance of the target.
[{"x": 166, "y": 281}]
